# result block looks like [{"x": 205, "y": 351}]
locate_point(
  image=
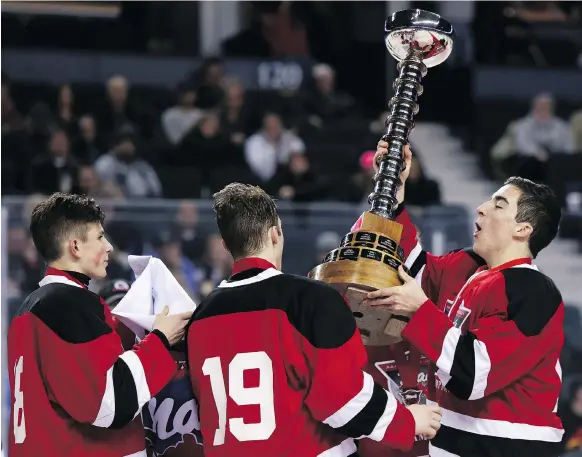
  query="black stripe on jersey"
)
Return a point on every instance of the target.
[
  {"x": 75, "y": 314},
  {"x": 467, "y": 444},
  {"x": 315, "y": 309},
  {"x": 364, "y": 422},
  {"x": 463, "y": 368},
  {"x": 532, "y": 297},
  {"x": 418, "y": 263},
  {"x": 126, "y": 403}
]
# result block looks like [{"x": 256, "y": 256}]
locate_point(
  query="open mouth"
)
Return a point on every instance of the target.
[{"x": 477, "y": 229}]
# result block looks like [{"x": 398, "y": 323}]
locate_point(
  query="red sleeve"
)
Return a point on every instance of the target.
[
  {"x": 426, "y": 268},
  {"x": 84, "y": 367},
  {"x": 522, "y": 324},
  {"x": 341, "y": 394}
]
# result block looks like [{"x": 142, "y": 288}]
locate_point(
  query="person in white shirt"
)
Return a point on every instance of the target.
[
  {"x": 271, "y": 147},
  {"x": 178, "y": 120}
]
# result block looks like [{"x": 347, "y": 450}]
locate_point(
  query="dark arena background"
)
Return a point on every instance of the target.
[{"x": 150, "y": 107}]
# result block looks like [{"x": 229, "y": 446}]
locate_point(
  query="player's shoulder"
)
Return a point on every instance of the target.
[
  {"x": 532, "y": 297},
  {"x": 465, "y": 255},
  {"x": 74, "y": 314}
]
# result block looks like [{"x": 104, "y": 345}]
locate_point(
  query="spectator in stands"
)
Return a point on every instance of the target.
[
  {"x": 205, "y": 147},
  {"x": 186, "y": 225},
  {"x": 422, "y": 190},
  {"x": 235, "y": 115},
  {"x": 270, "y": 147},
  {"x": 88, "y": 183},
  {"x": 87, "y": 147},
  {"x": 168, "y": 248},
  {"x": 134, "y": 176},
  {"x": 25, "y": 269},
  {"x": 570, "y": 412},
  {"x": 378, "y": 126},
  {"x": 65, "y": 110},
  {"x": 361, "y": 183},
  {"x": 209, "y": 80},
  {"x": 296, "y": 181},
  {"x": 117, "y": 110},
  {"x": 323, "y": 103},
  {"x": 57, "y": 171},
  {"x": 576, "y": 126},
  {"x": 12, "y": 120},
  {"x": 179, "y": 119},
  {"x": 216, "y": 264},
  {"x": 537, "y": 136}
]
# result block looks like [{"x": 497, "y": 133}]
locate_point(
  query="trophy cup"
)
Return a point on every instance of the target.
[{"x": 368, "y": 258}]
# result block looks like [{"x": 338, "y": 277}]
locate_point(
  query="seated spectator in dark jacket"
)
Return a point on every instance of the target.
[
  {"x": 420, "y": 190},
  {"x": 56, "y": 171},
  {"x": 296, "y": 181},
  {"x": 236, "y": 117},
  {"x": 87, "y": 147},
  {"x": 323, "y": 102}
]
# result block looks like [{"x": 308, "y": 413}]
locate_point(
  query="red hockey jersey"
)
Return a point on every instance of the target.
[
  {"x": 276, "y": 362},
  {"x": 494, "y": 337},
  {"x": 75, "y": 392}
]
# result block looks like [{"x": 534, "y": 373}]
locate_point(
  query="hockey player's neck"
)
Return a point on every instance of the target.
[
  {"x": 66, "y": 265},
  {"x": 495, "y": 259},
  {"x": 269, "y": 256}
]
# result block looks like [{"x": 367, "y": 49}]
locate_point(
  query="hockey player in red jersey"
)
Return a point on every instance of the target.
[
  {"x": 170, "y": 418},
  {"x": 493, "y": 334},
  {"x": 75, "y": 392},
  {"x": 276, "y": 360}
]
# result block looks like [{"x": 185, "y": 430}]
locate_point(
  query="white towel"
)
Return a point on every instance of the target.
[{"x": 154, "y": 288}]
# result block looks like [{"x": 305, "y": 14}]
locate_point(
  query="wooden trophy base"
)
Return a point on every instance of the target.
[{"x": 367, "y": 259}]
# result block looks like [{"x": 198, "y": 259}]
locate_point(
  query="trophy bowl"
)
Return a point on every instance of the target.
[{"x": 369, "y": 257}]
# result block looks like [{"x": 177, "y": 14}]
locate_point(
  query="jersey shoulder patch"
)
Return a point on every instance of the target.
[
  {"x": 532, "y": 298},
  {"x": 76, "y": 315}
]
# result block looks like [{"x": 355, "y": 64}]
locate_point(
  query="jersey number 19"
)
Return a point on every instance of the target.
[{"x": 261, "y": 395}]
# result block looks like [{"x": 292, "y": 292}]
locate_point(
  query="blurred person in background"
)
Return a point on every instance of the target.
[
  {"x": 181, "y": 118},
  {"x": 576, "y": 126},
  {"x": 117, "y": 109},
  {"x": 65, "y": 110},
  {"x": 25, "y": 268},
  {"x": 271, "y": 147},
  {"x": 56, "y": 171},
  {"x": 235, "y": 114},
  {"x": 88, "y": 183},
  {"x": 323, "y": 102},
  {"x": 537, "y": 136},
  {"x": 570, "y": 411},
  {"x": 421, "y": 190},
  {"x": 186, "y": 225},
  {"x": 86, "y": 146},
  {"x": 204, "y": 147},
  {"x": 296, "y": 181},
  {"x": 361, "y": 183},
  {"x": 168, "y": 248},
  {"x": 208, "y": 81},
  {"x": 216, "y": 264},
  {"x": 121, "y": 166}
]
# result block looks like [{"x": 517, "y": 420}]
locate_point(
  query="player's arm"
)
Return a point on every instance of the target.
[
  {"x": 509, "y": 341},
  {"x": 84, "y": 367},
  {"x": 340, "y": 394}
]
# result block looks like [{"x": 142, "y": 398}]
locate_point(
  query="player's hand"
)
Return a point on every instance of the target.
[
  {"x": 381, "y": 151},
  {"x": 427, "y": 419},
  {"x": 403, "y": 300},
  {"x": 172, "y": 326}
]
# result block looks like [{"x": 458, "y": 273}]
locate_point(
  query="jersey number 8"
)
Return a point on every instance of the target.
[{"x": 261, "y": 395}]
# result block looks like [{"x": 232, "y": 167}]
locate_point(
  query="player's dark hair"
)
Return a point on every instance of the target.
[
  {"x": 539, "y": 206},
  {"x": 58, "y": 217},
  {"x": 244, "y": 213}
]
